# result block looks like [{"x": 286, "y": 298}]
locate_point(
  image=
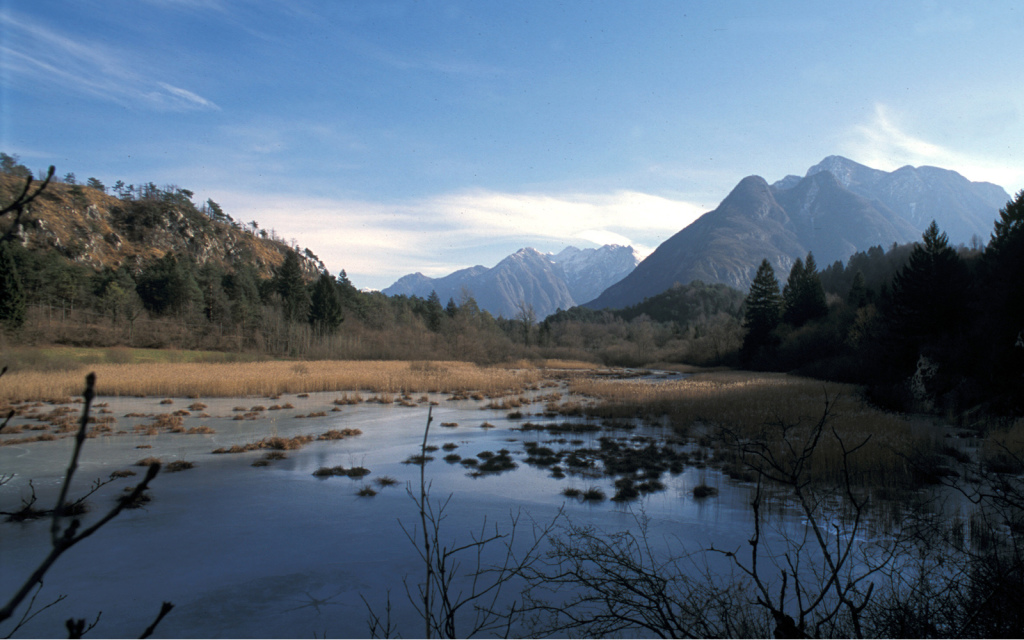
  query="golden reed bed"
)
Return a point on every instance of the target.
[
  {"x": 268, "y": 378},
  {"x": 748, "y": 405}
]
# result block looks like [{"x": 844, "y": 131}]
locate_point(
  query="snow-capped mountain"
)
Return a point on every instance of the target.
[
  {"x": 838, "y": 208},
  {"x": 546, "y": 282}
]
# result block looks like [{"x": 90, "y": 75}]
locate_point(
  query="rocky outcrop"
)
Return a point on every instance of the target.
[{"x": 97, "y": 230}]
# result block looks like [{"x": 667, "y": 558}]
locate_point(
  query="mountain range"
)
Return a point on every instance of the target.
[
  {"x": 546, "y": 282},
  {"x": 838, "y": 208}
]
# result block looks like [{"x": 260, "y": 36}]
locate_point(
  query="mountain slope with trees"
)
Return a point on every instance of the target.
[{"x": 840, "y": 207}]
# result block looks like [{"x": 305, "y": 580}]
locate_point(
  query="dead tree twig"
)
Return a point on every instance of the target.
[
  {"x": 17, "y": 207},
  {"x": 63, "y": 538}
]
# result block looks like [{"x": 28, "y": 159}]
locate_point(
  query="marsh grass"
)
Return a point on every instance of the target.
[
  {"x": 704, "y": 491},
  {"x": 417, "y": 459},
  {"x": 278, "y": 443},
  {"x": 734, "y": 406},
  {"x": 268, "y": 379},
  {"x": 494, "y": 464},
  {"x": 354, "y": 472}
]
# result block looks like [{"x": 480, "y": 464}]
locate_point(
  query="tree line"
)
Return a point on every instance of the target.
[{"x": 924, "y": 326}]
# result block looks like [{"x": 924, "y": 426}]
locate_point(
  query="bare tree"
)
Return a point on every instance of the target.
[
  {"x": 826, "y": 576},
  {"x": 454, "y": 602},
  {"x": 603, "y": 585},
  {"x": 24, "y": 198},
  {"x": 63, "y": 538}
]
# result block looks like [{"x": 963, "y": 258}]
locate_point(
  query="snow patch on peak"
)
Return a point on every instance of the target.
[{"x": 838, "y": 166}]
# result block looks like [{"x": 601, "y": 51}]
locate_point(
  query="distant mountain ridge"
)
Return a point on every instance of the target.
[
  {"x": 547, "y": 282},
  {"x": 838, "y": 208}
]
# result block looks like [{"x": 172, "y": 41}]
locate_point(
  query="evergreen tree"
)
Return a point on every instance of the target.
[
  {"x": 803, "y": 295},
  {"x": 791, "y": 292},
  {"x": 12, "y": 294},
  {"x": 216, "y": 305},
  {"x": 325, "y": 312},
  {"x": 243, "y": 290},
  {"x": 761, "y": 311},
  {"x": 1000, "y": 333},
  {"x": 168, "y": 285},
  {"x": 434, "y": 311},
  {"x": 292, "y": 288},
  {"x": 929, "y": 296},
  {"x": 858, "y": 296}
]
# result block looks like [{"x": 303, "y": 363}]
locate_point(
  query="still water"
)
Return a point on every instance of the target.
[{"x": 274, "y": 551}]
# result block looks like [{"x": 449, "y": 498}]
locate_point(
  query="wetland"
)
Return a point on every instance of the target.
[{"x": 295, "y": 513}]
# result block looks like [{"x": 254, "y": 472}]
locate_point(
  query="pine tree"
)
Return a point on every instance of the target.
[
  {"x": 858, "y": 296},
  {"x": 791, "y": 292},
  {"x": 761, "y": 311},
  {"x": 325, "y": 312},
  {"x": 803, "y": 295},
  {"x": 12, "y": 294},
  {"x": 1000, "y": 333},
  {"x": 168, "y": 285},
  {"x": 930, "y": 292},
  {"x": 434, "y": 311},
  {"x": 292, "y": 288}
]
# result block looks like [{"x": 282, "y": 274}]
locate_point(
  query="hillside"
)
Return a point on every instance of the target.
[
  {"x": 840, "y": 207},
  {"x": 97, "y": 230}
]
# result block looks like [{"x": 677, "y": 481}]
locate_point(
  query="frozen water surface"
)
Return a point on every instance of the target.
[{"x": 273, "y": 551}]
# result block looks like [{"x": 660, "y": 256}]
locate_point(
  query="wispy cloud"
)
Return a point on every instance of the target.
[
  {"x": 437, "y": 235},
  {"x": 884, "y": 143},
  {"x": 35, "y": 54}
]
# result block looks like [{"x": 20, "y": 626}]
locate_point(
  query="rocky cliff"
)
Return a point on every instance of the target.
[{"x": 92, "y": 228}]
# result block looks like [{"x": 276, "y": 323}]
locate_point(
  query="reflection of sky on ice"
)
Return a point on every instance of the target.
[{"x": 275, "y": 551}]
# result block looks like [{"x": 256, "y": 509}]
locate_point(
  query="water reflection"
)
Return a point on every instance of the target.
[{"x": 274, "y": 551}]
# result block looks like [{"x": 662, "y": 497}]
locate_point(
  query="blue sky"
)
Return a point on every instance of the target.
[{"x": 394, "y": 137}]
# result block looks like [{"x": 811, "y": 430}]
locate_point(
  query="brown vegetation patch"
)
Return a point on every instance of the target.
[
  {"x": 338, "y": 434},
  {"x": 704, "y": 491},
  {"x": 353, "y": 472},
  {"x": 178, "y": 465},
  {"x": 43, "y": 437},
  {"x": 417, "y": 459}
]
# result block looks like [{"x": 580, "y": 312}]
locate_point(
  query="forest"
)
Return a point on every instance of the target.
[{"x": 926, "y": 326}]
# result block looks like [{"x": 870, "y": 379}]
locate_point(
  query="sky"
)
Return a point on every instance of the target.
[{"x": 420, "y": 136}]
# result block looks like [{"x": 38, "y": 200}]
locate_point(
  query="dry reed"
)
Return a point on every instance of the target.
[
  {"x": 748, "y": 406},
  {"x": 269, "y": 379}
]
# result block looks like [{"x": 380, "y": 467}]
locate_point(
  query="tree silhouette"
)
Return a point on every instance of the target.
[
  {"x": 803, "y": 296},
  {"x": 325, "y": 312},
  {"x": 761, "y": 311},
  {"x": 292, "y": 288}
]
